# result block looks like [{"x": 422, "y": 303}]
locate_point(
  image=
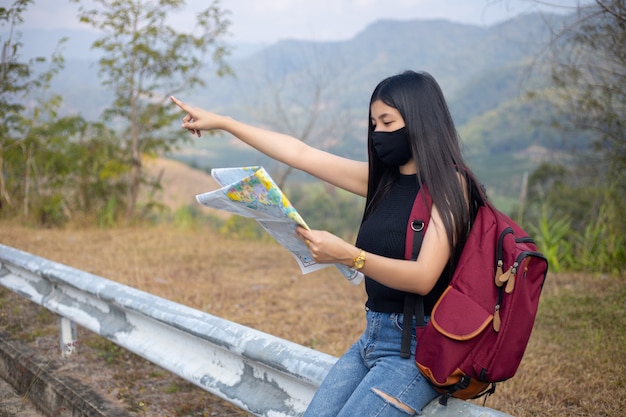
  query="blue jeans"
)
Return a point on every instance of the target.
[{"x": 372, "y": 366}]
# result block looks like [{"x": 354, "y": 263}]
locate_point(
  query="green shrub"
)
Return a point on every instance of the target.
[{"x": 551, "y": 236}]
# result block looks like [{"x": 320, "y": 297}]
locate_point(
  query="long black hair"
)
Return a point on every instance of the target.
[{"x": 435, "y": 147}]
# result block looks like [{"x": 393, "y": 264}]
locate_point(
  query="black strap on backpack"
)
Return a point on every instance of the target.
[
  {"x": 413, "y": 303},
  {"x": 413, "y": 307},
  {"x": 463, "y": 383}
]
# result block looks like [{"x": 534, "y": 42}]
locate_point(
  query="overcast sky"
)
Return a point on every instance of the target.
[{"x": 271, "y": 20}]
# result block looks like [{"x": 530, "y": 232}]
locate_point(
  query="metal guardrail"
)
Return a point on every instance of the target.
[{"x": 259, "y": 373}]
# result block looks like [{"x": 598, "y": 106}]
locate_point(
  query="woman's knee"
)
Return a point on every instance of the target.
[{"x": 394, "y": 401}]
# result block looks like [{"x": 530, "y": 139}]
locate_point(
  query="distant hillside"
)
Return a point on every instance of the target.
[
  {"x": 180, "y": 183},
  {"x": 483, "y": 71}
]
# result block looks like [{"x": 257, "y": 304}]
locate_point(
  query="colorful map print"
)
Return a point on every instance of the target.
[{"x": 259, "y": 192}]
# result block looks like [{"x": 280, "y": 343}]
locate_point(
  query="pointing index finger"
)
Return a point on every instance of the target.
[{"x": 178, "y": 103}]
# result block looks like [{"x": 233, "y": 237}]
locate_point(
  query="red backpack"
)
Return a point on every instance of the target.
[{"x": 480, "y": 326}]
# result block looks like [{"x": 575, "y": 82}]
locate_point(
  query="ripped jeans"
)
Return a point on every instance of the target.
[{"x": 371, "y": 367}]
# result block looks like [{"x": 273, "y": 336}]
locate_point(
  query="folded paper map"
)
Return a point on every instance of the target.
[{"x": 251, "y": 192}]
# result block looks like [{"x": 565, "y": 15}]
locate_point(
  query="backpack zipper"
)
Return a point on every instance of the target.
[
  {"x": 507, "y": 277},
  {"x": 501, "y": 276},
  {"x": 510, "y": 282}
]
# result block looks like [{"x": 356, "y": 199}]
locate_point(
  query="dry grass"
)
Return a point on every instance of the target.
[
  {"x": 574, "y": 365},
  {"x": 257, "y": 284},
  {"x": 180, "y": 183}
]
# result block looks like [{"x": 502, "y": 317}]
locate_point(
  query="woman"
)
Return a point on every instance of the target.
[{"x": 411, "y": 141}]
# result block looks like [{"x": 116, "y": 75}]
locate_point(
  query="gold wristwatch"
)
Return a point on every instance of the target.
[{"x": 359, "y": 261}]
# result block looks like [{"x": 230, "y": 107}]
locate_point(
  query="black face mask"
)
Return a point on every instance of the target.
[{"x": 392, "y": 147}]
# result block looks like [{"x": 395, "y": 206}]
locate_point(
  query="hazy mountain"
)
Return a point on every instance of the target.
[{"x": 483, "y": 71}]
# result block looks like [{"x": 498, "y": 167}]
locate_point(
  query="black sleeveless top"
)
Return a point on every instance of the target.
[{"x": 383, "y": 233}]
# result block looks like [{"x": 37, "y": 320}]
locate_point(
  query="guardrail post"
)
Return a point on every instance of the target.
[{"x": 68, "y": 336}]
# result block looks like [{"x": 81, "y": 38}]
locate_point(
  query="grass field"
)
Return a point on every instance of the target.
[{"x": 574, "y": 364}]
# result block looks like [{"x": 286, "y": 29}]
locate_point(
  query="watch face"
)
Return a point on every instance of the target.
[{"x": 359, "y": 261}]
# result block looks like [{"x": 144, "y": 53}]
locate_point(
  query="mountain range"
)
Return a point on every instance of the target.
[{"x": 484, "y": 73}]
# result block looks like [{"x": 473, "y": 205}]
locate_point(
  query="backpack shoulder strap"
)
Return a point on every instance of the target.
[
  {"x": 418, "y": 223},
  {"x": 415, "y": 231}
]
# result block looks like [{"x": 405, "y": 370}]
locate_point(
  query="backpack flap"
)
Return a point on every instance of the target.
[
  {"x": 461, "y": 320},
  {"x": 458, "y": 316}
]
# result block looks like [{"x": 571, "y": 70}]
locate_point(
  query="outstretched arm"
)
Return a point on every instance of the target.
[{"x": 342, "y": 172}]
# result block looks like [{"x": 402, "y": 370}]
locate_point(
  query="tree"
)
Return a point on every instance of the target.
[
  {"x": 298, "y": 95},
  {"x": 589, "y": 76},
  {"x": 26, "y": 128},
  {"x": 15, "y": 79},
  {"x": 51, "y": 167},
  {"x": 145, "y": 61},
  {"x": 587, "y": 73}
]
